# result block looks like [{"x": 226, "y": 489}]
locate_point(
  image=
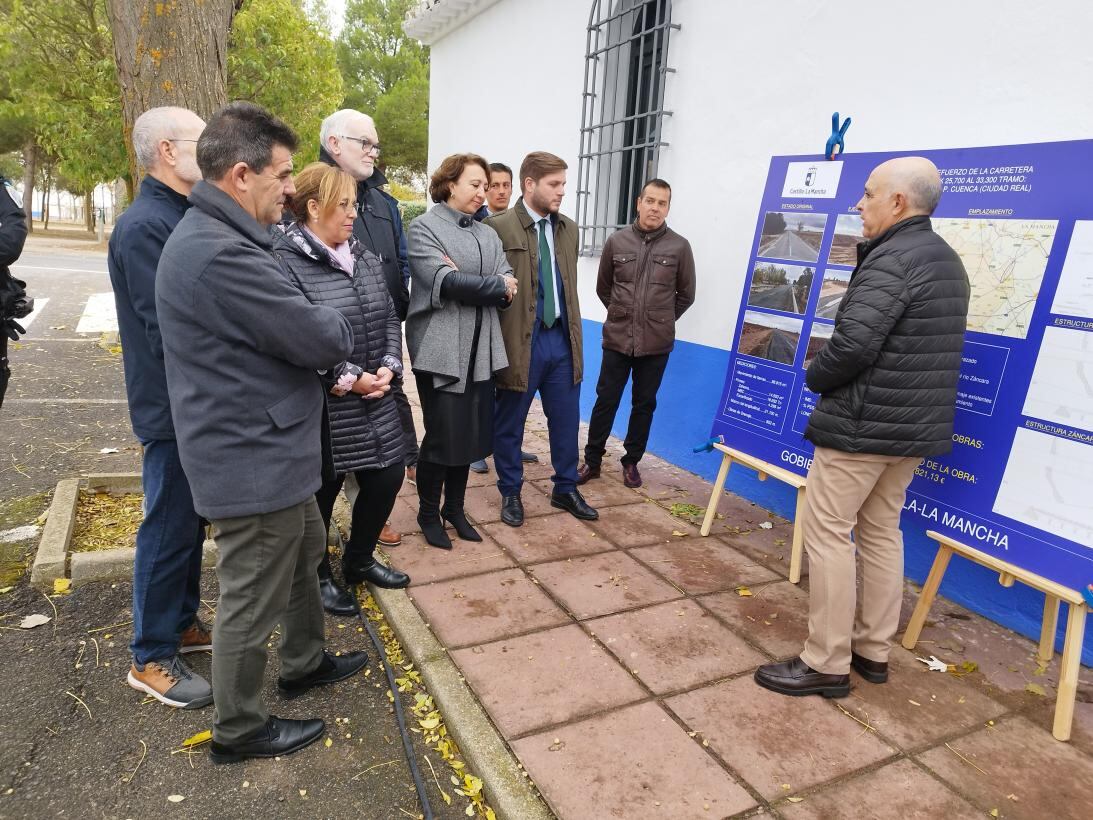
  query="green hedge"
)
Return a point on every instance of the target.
[{"x": 411, "y": 211}]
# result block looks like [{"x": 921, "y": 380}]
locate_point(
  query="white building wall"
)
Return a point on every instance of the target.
[{"x": 755, "y": 79}]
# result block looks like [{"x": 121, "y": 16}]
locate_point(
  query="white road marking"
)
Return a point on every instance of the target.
[
  {"x": 28, "y": 320},
  {"x": 100, "y": 315},
  {"x": 62, "y": 270}
]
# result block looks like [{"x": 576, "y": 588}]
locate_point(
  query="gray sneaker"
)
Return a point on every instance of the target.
[{"x": 172, "y": 682}]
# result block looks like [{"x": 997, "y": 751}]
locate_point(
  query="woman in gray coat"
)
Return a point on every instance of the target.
[{"x": 460, "y": 278}]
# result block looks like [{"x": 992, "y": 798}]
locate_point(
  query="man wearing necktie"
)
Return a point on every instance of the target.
[{"x": 542, "y": 332}]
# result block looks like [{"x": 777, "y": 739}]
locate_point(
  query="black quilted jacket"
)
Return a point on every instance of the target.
[
  {"x": 888, "y": 375},
  {"x": 364, "y": 434}
]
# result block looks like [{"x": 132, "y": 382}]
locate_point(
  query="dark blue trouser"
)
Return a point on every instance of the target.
[
  {"x": 551, "y": 375},
  {"x": 167, "y": 570}
]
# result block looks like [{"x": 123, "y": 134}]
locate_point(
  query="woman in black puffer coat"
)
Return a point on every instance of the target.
[{"x": 363, "y": 433}]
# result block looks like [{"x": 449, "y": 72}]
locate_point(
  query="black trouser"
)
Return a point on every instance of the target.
[
  {"x": 614, "y": 371},
  {"x": 406, "y": 419},
  {"x": 375, "y": 500},
  {"x": 5, "y": 373}
]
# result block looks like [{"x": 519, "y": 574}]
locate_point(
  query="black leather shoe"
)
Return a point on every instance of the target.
[
  {"x": 331, "y": 669},
  {"x": 586, "y": 473},
  {"x": 574, "y": 504},
  {"x": 336, "y": 600},
  {"x": 795, "y": 677},
  {"x": 528, "y": 458},
  {"x": 277, "y": 738},
  {"x": 377, "y": 574},
  {"x": 872, "y": 671},
  {"x": 512, "y": 510}
]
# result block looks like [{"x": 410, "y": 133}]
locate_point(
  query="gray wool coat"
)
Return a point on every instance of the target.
[{"x": 439, "y": 332}]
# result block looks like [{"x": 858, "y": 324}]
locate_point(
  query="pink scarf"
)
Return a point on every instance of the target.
[{"x": 341, "y": 255}]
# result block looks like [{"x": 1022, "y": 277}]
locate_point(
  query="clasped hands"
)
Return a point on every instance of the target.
[{"x": 368, "y": 385}]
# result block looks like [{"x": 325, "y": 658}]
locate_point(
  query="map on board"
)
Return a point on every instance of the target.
[{"x": 1005, "y": 260}]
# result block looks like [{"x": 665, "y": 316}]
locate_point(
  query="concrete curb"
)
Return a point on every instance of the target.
[
  {"x": 487, "y": 756},
  {"x": 50, "y": 560},
  {"x": 54, "y": 560}
]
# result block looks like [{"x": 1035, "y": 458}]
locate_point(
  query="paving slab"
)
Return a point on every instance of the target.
[
  {"x": 630, "y": 763},
  {"x": 771, "y": 740},
  {"x": 774, "y": 616},
  {"x": 637, "y": 525},
  {"x": 486, "y": 607},
  {"x": 700, "y": 565},
  {"x": 547, "y": 538},
  {"x": 674, "y": 646},
  {"x": 483, "y": 504},
  {"x": 542, "y": 668},
  {"x": 601, "y": 492},
  {"x": 1015, "y": 757},
  {"x": 600, "y": 584},
  {"x": 900, "y": 789},
  {"x": 917, "y": 706},
  {"x": 426, "y": 564}
]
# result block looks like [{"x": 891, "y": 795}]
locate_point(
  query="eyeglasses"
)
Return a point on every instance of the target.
[
  {"x": 173, "y": 139},
  {"x": 366, "y": 144}
]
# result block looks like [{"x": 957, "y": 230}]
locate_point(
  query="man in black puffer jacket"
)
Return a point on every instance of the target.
[{"x": 887, "y": 381}]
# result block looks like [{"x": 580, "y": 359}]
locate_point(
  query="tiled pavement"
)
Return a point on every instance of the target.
[{"x": 616, "y": 659}]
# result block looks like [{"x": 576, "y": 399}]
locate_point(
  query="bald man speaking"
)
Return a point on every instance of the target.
[{"x": 887, "y": 382}]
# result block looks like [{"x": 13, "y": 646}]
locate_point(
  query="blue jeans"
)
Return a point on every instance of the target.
[
  {"x": 551, "y": 375},
  {"x": 167, "y": 569}
]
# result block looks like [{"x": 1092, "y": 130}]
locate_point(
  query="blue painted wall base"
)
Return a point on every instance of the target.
[{"x": 686, "y": 402}]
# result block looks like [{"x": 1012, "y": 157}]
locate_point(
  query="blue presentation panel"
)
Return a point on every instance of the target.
[{"x": 1019, "y": 481}]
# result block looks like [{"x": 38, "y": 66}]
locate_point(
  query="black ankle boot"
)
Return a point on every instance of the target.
[
  {"x": 379, "y": 575},
  {"x": 430, "y": 484},
  {"x": 336, "y": 600},
  {"x": 455, "y": 493}
]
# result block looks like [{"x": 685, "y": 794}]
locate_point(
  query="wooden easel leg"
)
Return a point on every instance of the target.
[
  {"x": 1068, "y": 671},
  {"x": 796, "y": 552},
  {"x": 926, "y": 599},
  {"x": 715, "y": 496},
  {"x": 1047, "y": 630}
]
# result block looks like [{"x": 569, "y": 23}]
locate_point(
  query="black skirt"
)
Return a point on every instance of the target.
[{"x": 458, "y": 426}]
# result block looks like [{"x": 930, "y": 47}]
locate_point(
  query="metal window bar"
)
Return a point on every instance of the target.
[{"x": 622, "y": 112}]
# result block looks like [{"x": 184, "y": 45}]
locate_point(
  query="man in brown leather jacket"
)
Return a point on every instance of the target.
[{"x": 646, "y": 281}]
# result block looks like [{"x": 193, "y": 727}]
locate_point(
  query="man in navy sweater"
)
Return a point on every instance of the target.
[{"x": 167, "y": 569}]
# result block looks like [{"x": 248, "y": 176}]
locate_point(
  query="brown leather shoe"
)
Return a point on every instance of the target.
[
  {"x": 872, "y": 671},
  {"x": 196, "y": 638},
  {"x": 586, "y": 473},
  {"x": 795, "y": 677},
  {"x": 389, "y": 537},
  {"x": 630, "y": 475}
]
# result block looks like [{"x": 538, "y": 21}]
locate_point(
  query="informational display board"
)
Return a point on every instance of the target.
[{"x": 1019, "y": 481}]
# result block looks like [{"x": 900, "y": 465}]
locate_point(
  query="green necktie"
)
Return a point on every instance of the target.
[{"x": 546, "y": 276}]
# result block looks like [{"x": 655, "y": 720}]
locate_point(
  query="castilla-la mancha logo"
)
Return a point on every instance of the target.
[{"x": 812, "y": 180}]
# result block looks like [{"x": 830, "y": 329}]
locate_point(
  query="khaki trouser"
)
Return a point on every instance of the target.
[
  {"x": 267, "y": 573},
  {"x": 864, "y": 493}
]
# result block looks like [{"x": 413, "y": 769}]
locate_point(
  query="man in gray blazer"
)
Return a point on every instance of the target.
[{"x": 241, "y": 346}]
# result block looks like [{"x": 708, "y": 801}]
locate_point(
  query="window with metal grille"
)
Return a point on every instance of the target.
[{"x": 623, "y": 109}]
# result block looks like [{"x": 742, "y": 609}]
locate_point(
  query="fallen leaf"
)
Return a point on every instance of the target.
[
  {"x": 429, "y": 723},
  {"x": 62, "y": 586},
  {"x": 31, "y": 621},
  {"x": 913, "y": 702},
  {"x": 198, "y": 739},
  {"x": 175, "y": 798},
  {"x": 993, "y": 812},
  {"x": 303, "y": 792},
  {"x": 679, "y": 534},
  {"x": 766, "y": 525},
  {"x": 107, "y": 451},
  {"x": 5, "y": 590},
  {"x": 1012, "y": 797},
  {"x": 743, "y": 592},
  {"x": 1035, "y": 689},
  {"x": 794, "y": 799},
  {"x": 328, "y": 743}
]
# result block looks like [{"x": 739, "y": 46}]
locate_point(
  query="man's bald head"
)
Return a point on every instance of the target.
[
  {"x": 165, "y": 144},
  {"x": 897, "y": 190}
]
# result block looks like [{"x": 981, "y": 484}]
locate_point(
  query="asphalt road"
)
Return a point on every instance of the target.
[
  {"x": 789, "y": 246},
  {"x": 781, "y": 347},
  {"x": 58, "y": 758},
  {"x": 828, "y": 306},
  {"x": 780, "y": 297}
]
